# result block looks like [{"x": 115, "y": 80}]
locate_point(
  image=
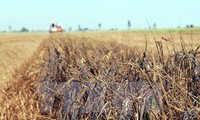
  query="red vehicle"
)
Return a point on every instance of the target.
[{"x": 55, "y": 28}]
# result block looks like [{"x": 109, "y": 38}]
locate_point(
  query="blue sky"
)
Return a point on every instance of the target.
[{"x": 37, "y": 14}]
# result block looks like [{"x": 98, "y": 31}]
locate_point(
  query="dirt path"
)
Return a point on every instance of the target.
[{"x": 15, "y": 49}]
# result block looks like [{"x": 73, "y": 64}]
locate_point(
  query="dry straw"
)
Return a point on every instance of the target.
[{"x": 81, "y": 78}]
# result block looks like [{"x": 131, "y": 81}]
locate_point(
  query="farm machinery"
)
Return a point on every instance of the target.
[{"x": 55, "y": 28}]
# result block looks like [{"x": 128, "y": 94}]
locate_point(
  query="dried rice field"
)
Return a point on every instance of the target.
[{"x": 100, "y": 75}]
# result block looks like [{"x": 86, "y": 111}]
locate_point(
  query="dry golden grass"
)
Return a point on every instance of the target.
[
  {"x": 15, "y": 49},
  {"x": 138, "y": 39},
  {"x": 109, "y": 73}
]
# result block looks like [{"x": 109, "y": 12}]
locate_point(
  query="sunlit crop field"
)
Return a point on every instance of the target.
[
  {"x": 100, "y": 75},
  {"x": 15, "y": 49}
]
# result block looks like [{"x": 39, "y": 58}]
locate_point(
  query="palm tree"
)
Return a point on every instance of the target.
[
  {"x": 154, "y": 26},
  {"x": 99, "y": 26},
  {"x": 79, "y": 28},
  {"x": 10, "y": 28},
  {"x": 70, "y": 29},
  {"x": 129, "y": 24}
]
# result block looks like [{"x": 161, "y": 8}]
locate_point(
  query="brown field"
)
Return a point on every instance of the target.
[
  {"x": 117, "y": 75},
  {"x": 15, "y": 49}
]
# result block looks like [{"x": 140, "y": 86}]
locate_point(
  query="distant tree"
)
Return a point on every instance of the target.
[
  {"x": 187, "y": 26},
  {"x": 24, "y": 29},
  {"x": 191, "y": 26},
  {"x": 70, "y": 29},
  {"x": 10, "y": 28},
  {"x": 154, "y": 26},
  {"x": 129, "y": 24},
  {"x": 86, "y": 29},
  {"x": 79, "y": 28},
  {"x": 99, "y": 26}
]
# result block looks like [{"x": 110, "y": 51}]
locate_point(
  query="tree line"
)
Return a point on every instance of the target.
[{"x": 129, "y": 27}]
